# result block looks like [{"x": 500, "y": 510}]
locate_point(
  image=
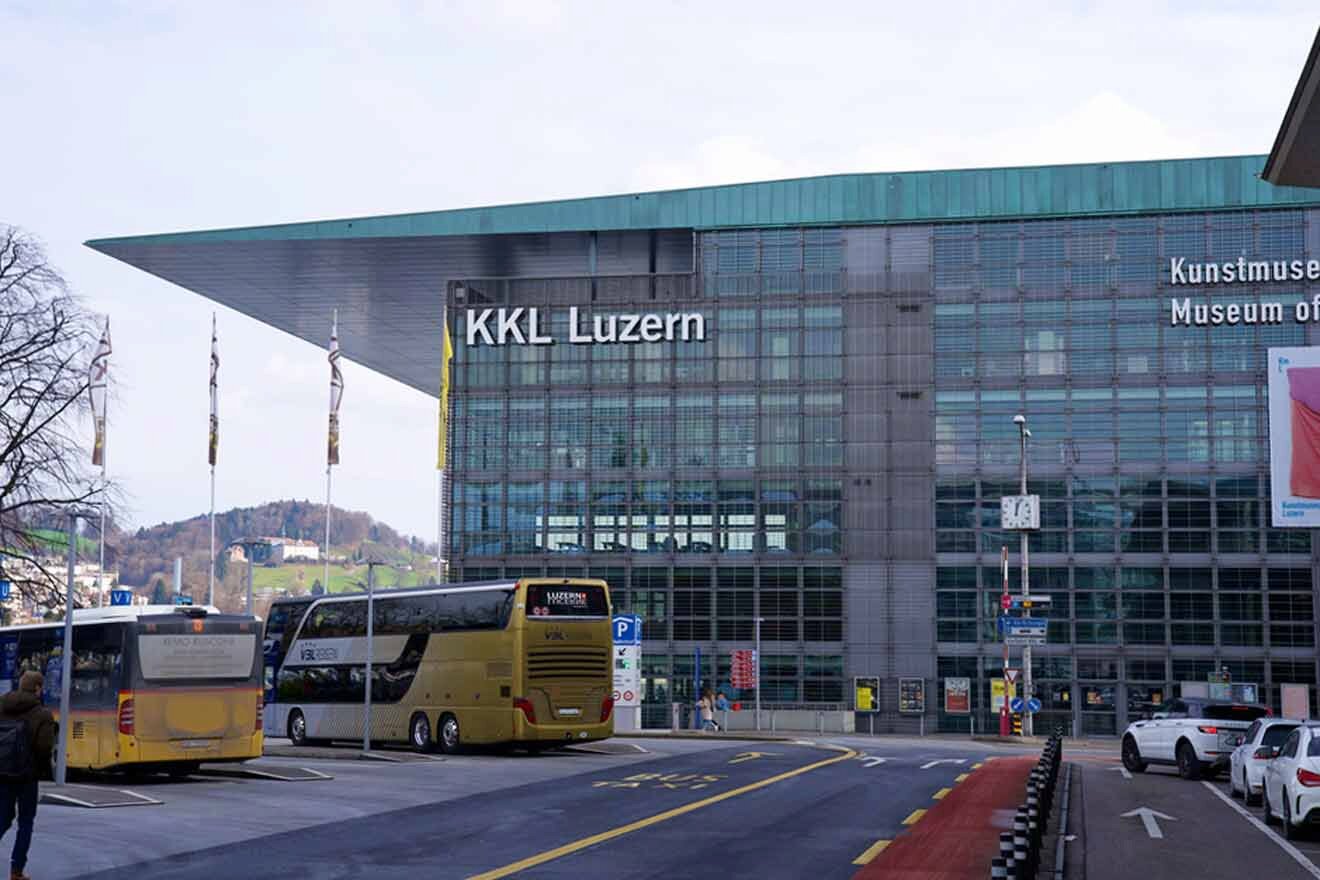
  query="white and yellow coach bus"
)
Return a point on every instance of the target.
[{"x": 517, "y": 662}]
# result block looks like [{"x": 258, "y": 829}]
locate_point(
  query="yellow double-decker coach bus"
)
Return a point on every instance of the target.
[
  {"x": 516, "y": 662},
  {"x": 154, "y": 687}
]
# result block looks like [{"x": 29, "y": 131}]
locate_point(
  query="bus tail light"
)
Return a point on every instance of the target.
[
  {"x": 528, "y": 710},
  {"x": 261, "y": 709},
  {"x": 606, "y": 708},
  {"x": 1307, "y": 778},
  {"x": 126, "y": 713}
]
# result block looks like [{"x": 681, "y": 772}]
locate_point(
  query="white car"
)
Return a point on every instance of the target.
[
  {"x": 1246, "y": 767},
  {"x": 1292, "y": 781},
  {"x": 1194, "y": 734}
]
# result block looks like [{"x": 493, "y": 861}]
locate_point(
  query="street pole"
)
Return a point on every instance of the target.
[
  {"x": 1027, "y": 726},
  {"x": 371, "y": 608},
  {"x": 756, "y": 660},
  {"x": 1005, "y": 728},
  {"x": 66, "y": 658},
  {"x": 248, "y": 553}
]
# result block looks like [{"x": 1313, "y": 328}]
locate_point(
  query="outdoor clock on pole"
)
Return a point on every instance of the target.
[{"x": 1019, "y": 512}]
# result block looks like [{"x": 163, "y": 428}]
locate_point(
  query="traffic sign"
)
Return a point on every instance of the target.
[
  {"x": 1006, "y": 602},
  {"x": 1025, "y": 630},
  {"x": 1035, "y": 600},
  {"x": 627, "y": 629},
  {"x": 4, "y": 589},
  {"x": 1012, "y": 675},
  {"x": 182, "y": 599},
  {"x": 1016, "y": 704},
  {"x": 121, "y": 597},
  {"x": 1033, "y": 705}
]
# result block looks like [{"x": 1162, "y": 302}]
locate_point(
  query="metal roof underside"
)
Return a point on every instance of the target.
[
  {"x": 386, "y": 274},
  {"x": 1295, "y": 158}
]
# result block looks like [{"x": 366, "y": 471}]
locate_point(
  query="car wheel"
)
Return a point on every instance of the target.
[
  {"x": 1265, "y": 799},
  {"x": 1132, "y": 756},
  {"x": 297, "y": 728},
  {"x": 419, "y": 734},
  {"x": 450, "y": 736},
  {"x": 1189, "y": 767}
]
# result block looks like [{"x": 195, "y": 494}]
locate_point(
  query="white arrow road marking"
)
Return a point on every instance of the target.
[
  {"x": 929, "y": 764},
  {"x": 1148, "y": 817},
  {"x": 1123, "y": 770},
  {"x": 873, "y": 762}
]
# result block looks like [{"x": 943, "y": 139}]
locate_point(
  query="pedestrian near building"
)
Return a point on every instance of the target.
[
  {"x": 27, "y": 738},
  {"x": 706, "y": 705}
]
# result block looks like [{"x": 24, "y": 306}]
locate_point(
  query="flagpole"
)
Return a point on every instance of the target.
[
  {"x": 326, "y": 583},
  {"x": 210, "y": 593},
  {"x": 100, "y": 571}
]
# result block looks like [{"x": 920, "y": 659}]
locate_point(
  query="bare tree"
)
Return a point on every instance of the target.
[{"x": 46, "y": 338}]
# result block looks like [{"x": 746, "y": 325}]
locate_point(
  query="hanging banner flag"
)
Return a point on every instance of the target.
[
  {"x": 336, "y": 393},
  {"x": 98, "y": 377},
  {"x": 213, "y": 446},
  {"x": 447, "y": 355}
]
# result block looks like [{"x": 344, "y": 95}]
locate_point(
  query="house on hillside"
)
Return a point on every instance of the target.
[{"x": 275, "y": 551}]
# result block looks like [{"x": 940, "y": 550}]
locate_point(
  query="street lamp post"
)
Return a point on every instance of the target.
[
  {"x": 1027, "y": 726},
  {"x": 756, "y": 655}
]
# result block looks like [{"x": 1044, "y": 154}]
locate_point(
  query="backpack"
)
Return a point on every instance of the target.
[{"x": 16, "y": 761}]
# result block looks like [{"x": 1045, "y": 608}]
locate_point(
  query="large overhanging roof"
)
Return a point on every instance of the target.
[
  {"x": 1295, "y": 157},
  {"x": 386, "y": 275}
]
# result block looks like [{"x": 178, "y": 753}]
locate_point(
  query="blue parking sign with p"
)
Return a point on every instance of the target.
[{"x": 627, "y": 629}]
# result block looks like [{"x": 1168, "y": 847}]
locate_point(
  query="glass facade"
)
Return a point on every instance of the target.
[{"x": 831, "y": 457}]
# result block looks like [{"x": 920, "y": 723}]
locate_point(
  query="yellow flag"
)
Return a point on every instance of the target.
[{"x": 446, "y": 357}]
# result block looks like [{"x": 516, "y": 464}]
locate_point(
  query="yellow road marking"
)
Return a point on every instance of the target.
[
  {"x": 915, "y": 817},
  {"x": 749, "y": 756},
  {"x": 961, "y": 777},
  {"x": 871, "y": 852},
  {"x": 978, "y": 765},
  {"x": 570, "y": 848},
  {"x": 940, "y": 795}
]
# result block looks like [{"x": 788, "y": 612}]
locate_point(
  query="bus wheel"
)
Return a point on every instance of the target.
[
  {"x": 419, "y": 733},
  {"x": 297, "y": 728},
  {"x": 450, "y": 739}
]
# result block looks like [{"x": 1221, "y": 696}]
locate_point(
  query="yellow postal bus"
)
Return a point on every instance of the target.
[
  {"x": 154, "y": 687},
  {"x": 524, "y": 661}
]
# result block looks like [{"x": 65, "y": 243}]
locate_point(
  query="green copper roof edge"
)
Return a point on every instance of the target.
[{"x": 1043, "y": 191}]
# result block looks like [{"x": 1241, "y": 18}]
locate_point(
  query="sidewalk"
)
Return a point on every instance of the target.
[{"x": 960, "y": 835}]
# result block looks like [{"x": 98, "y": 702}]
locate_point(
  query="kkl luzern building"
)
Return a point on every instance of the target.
[{"x": 794, "y": 401}]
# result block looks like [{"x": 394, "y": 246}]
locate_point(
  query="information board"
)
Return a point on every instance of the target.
[
  {"x": 912, "y": 696},
  {"x": 742, "y": 670},
  {"x": 866, "y": 694},
  {"x": 958, "y": 696}
]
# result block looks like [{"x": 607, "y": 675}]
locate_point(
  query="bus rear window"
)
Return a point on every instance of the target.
[
  {"x": 189, "y": 655},
  {"x": 566, "y": 600}
]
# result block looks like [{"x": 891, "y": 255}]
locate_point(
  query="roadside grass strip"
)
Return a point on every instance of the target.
[{"x": 958, "y": 836}]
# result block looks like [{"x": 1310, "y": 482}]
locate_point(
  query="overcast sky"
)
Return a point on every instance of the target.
[{"x": 143, "y": 117}]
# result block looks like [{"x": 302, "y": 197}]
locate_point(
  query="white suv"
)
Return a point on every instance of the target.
[{"x": 1195, "y": 734}]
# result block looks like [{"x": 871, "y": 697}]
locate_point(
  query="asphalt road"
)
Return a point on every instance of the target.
[
  {"x": 1193, "y": 831},
  {"x": 694, "y": 808}
]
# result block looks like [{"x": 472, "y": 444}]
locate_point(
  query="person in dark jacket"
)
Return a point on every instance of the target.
[{"x": 21, "y": 797}]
